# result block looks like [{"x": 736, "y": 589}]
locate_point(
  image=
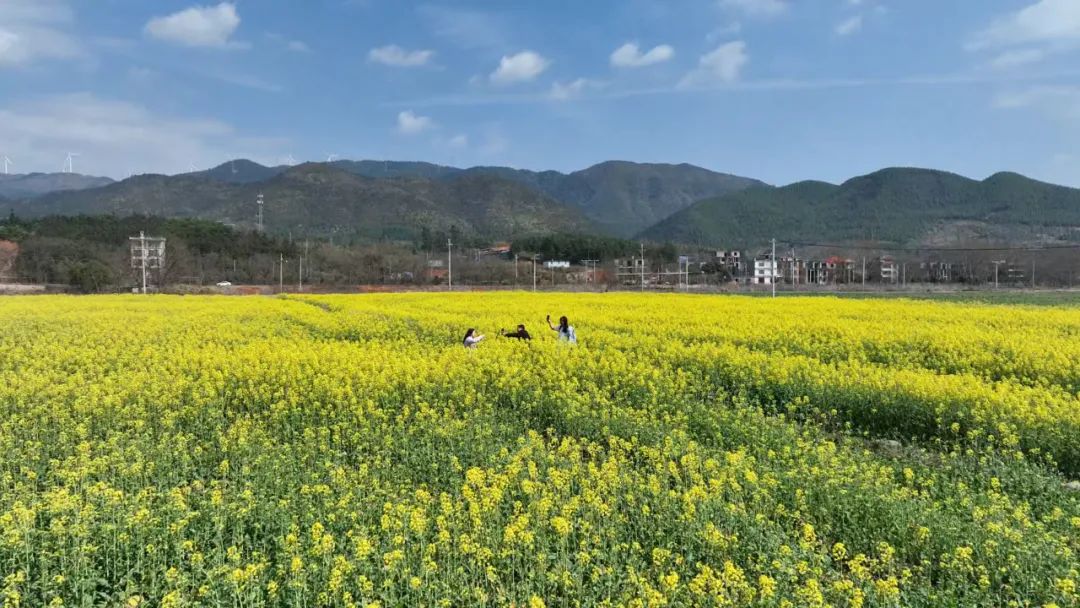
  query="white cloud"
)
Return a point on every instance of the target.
[
  {"x": 722, "y": 65},
  {"x": 1045, "y": 21},
  {"x": 198, "y": 26},
  {"x": 116, "y": 137},
  {"x": 1031, "y": 34},
  {"x": 1059, "y": 101},
  {"x": 723, "y": 32},
  {"x": 294, "y": 46},
  {"x": 522, "y": 67},
  {"x": 411, "y": 124},
  {"x": 32, "y": 30},
  {"x": 1017, "y": 58},
  {"x": 570, "y": 90},
  {"x": 470, "y": 29},
  {"x": 459, "y": 141},
  {"x": 629, "y": 55},
  {"x": 849, "y": 26},
  {"x": 396, "y": 56},
  {"x": 756, "y": 8}
]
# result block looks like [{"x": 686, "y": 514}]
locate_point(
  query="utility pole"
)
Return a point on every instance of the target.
[
  {"x": 534, "y": 271},
  {"x": 449, "y": 265},
  {"x": 642, "y": 266},
  {"x": 864, "y": 271},
  {"x": 281, "y": 272},
  {"x": 590, "y": 268},
  {"x": 300, "y": 276},
  {"x": 794, "y": 269},
  {"x": 142, "y": 245},
  {"x": 259, "y": 218},
  {"x": 772, "y": 268},
  {"x": 1033, "y": 273},
  {"x": 145, "y": 258},
  {"x": 515, "y": 270},
  {"x": 996, "y": 263}
]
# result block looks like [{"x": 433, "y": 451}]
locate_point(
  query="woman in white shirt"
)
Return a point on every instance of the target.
[
  {"x": 566, "y": 331},
  {"x": 471, "y": 338}
]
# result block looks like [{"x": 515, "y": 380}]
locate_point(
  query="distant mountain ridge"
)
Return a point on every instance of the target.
[
  {"x": 656, "y": 202},
  {"x": 906, "y": 206},
  {"x": 31, "y": 185},
  {"x": 620, "y": 197},
  {"x": 320, "y": 200},
  {"x": 240, "y": 171}
]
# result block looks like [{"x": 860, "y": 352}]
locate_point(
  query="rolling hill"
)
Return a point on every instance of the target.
[
  {"x": 31, "y": 185},
  {"x": 318, "y": 200},
  {"x": 620, "y": 197},
  {"x": 903, "y": 206},
  {"x": 623, "y": 197},
  {"x": 240, "y": 171}
]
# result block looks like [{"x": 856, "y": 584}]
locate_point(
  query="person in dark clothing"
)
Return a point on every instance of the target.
[{"x": 520, "y": 334}]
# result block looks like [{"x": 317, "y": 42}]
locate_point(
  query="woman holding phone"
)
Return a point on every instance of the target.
[{"x": 565, "y": 330}]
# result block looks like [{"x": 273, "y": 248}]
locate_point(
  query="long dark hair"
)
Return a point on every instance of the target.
[
  {"x": 564, "y": 325},
  {"x": 468, "y": 335}
]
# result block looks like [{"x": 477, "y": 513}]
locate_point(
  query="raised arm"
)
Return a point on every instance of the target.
[{"x": 553, "y": 328}]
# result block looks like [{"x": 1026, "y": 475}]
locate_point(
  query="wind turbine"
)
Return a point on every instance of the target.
[
  {"x": 290, "y": 160},
  {"x": 7, "y": 164},
  {"x": 331, "y": 158},
  {"x": 232, "y": 164},
  {"x": 69, "y": 164}
]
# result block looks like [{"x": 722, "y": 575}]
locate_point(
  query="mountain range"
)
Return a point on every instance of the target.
[
  {"x": 320, "y": 200},
  {"x": 30, "y": 185},
  {"x": 620, "y": 198},
  {"x": 658, "y": 202},
  {"x": 392, "y": 198},
  {"x": 919, "y": 207}
]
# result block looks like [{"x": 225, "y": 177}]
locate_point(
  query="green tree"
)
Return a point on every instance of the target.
[{"x": 90, "y": 276}]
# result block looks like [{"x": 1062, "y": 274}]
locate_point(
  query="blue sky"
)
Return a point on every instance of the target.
[{"x": 781, "y": 90}]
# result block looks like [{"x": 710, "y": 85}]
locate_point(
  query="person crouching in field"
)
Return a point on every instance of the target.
[
  {"x": 471, "y": 338},
  {"x": 520, "y": 334},
  {"x": 566, "y": 331}
]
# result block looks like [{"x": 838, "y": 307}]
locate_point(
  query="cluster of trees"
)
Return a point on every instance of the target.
[
  {"x": 92, "y": 253},
  {"x": 577, "y": 247}
]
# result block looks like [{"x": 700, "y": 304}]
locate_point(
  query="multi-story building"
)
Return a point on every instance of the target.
[
  {"x": 839, "y": 270},
  {"x": 731, "y": 260},
  {"x": 817, "y": 272},
  {"x": 937, "y": 272},
  {"x": 767, "y": 270},
  {"x": 890, "y": 270},
  {"x": 630, "y": 270}
]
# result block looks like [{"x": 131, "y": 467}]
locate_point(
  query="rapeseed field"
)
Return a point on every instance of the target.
[{"x": 688, "y": 451}]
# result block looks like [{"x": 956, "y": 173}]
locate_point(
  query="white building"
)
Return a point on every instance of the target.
[
  {"x": 556, "y": 264},
  {"x": 767, "y": 270},
  {"x": 890, "y": 270}
]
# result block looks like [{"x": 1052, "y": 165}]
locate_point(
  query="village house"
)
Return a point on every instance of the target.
[
  {"x": 731, "y": 261},
  {"x": 766, "y": 270},
  {"x": 890, "y": 270},
  {"x": 937, "y": 272},
  {"x": 436, "y": 270}
]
